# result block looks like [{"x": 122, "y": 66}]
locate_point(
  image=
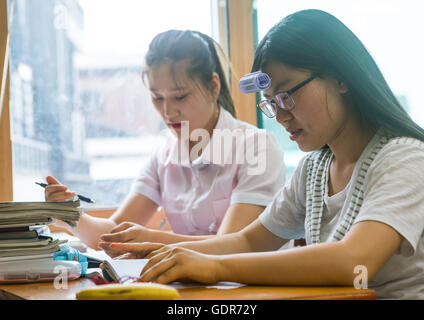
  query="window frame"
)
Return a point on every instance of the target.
[
  {"x": 6, "y": 170},
  {"x": 241, "y": 52}
]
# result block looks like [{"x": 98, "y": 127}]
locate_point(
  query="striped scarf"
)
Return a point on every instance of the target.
[{"x": 318, "y": 164}]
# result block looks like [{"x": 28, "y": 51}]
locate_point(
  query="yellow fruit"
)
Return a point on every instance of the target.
[{"x": 129, "y": 291}]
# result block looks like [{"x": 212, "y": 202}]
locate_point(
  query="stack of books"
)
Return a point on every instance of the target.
[{"x": 22, "y": 239}]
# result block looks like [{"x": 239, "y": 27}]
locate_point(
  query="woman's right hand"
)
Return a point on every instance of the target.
[
  {"x": 168, "y": 263},
  {"x": 56, "y": 191}
]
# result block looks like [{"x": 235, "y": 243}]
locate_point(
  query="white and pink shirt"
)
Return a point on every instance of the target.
[{"x": 196, "y": 194}]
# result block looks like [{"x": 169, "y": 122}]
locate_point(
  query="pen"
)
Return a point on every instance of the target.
[{"x": 82, "y": 198}]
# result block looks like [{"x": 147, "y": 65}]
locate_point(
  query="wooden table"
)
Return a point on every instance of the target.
[{"x": 46, "y": 291}]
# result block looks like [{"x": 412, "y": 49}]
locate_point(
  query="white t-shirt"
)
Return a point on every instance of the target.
[
  {"x": 195, "y": 195},
  {"x": 394, "y": 195}
]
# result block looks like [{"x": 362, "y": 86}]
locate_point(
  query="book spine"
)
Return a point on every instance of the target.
[{"x": 14, "y": 229}]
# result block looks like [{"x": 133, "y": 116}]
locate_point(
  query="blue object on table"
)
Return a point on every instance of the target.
[{"x": 68, "y": 253}]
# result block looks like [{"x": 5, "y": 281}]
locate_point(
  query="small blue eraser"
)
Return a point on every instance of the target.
[{"x": 254, "y": 82}]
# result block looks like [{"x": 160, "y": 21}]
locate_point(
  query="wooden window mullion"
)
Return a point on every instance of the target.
[{"x": 6, "y": 183}]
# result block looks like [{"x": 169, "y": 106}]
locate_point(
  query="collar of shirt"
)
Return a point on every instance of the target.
[{"x": 225, "y": 121}]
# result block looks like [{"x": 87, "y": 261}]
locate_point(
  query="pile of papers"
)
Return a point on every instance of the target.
[
  {"x": 26, "y": 243},
  {"x": 24, "y": 236},
  {"x": 14, "y": 214}
]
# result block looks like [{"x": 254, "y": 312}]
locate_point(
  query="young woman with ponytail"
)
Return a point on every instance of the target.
[{"x": 202, "y": 195}]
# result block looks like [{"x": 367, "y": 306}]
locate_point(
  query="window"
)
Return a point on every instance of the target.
[
  {"x": 79, "y": 110},
  {"x": 392, "y": 32}
]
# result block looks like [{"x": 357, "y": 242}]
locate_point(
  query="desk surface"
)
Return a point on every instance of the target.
[{"x": 46, "y": 291}]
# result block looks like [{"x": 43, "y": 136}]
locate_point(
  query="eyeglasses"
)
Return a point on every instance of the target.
[{"x": 282, "y": 99}]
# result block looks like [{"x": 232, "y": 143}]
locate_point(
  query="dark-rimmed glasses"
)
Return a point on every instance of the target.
[{"x": 282, "y": 99}]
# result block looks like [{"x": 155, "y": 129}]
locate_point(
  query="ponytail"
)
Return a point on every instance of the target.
[{"x": 225, "y": 99}]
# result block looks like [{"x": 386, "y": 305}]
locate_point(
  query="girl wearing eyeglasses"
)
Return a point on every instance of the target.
[
  {"x": 214, "y": 175},
  {"x": 356, "y": 197}
]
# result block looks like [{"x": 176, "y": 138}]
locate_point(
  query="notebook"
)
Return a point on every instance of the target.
[
  {"x": 28, "y": 258},
  {"x": 51, "y": 247},
  {"x": 25, "y": 242},
  {"x": 27, "y": 234},
  {"x": 121, "y": 270},
  {"x": 14, "y": 214},
  {"x": 16, "y": 223}
]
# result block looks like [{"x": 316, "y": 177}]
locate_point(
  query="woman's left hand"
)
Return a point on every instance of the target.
[
  {"x": 169, "y": 263},
  {"x": 124, "y": 232}
]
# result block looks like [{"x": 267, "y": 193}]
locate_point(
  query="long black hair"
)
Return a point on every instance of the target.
[
  {"x": 315, "y": 40},
  {"x": 200, "y": 50}
]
